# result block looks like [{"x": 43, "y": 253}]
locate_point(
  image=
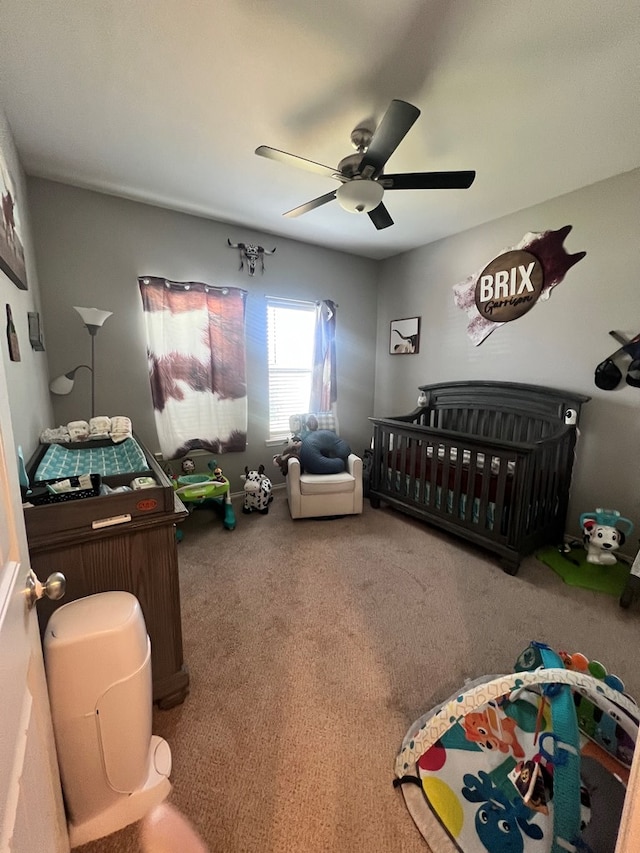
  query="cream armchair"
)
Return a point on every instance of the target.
[{"x": 322, "y": 495}]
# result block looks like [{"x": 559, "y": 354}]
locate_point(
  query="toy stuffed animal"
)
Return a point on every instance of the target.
[
  {"x": 601, "y": 540},
  {"x": 188, "y": 465},
  {"x": 602, "y": 535},
  {"x": 292, "y": 448},
  {"x": 257, "y": 491}
]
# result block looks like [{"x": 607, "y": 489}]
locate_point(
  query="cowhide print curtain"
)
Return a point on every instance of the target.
[
  {"x": 196, "y": 352},
  {"x": 324, "y": 381}
]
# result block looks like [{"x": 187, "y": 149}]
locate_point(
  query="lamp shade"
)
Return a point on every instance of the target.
[
  {"x": 93, "y": 316},
  {"x": 359, "y": 195},
  {"x": 61, "y": 384},
  {"x": 64, "y": 384}
]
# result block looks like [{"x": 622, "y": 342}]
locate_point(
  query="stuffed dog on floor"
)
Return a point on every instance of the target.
[{"x": 601, "y": 541}]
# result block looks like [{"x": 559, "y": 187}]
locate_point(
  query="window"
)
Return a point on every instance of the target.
[{"x": 290, "y": 335}]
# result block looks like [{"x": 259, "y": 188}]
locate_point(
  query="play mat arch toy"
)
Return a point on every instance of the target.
[
  {"x": 531, "y": 762},
  {"x": 196, "y": 490}
]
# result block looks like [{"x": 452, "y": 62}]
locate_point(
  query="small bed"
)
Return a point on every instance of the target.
[{"x": 488, "y": 461}]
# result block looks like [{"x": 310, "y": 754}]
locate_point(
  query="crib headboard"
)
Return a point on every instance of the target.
[{"x": 509, "y": 411}]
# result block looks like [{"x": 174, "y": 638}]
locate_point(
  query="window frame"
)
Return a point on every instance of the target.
[{"x": 276, "y": 436}]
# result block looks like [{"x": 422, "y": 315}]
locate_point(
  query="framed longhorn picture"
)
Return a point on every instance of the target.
[
  {"x": 404, "y": 337},
  {"x": 11, "y": 248}
]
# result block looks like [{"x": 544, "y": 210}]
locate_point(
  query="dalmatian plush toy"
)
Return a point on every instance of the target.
[
  {"x": 601, "y": 541},
  {"x": 601, "y": 534},
  {"x": 257, "y": 491}
]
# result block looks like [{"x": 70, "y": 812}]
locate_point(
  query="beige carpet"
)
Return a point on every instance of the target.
[{"x": 312, "y": 647}]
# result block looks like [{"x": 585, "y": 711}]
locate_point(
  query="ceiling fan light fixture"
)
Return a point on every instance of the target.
[{"x": 359, "y": 195}]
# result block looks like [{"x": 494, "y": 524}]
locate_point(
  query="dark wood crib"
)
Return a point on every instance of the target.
[{"x": 488, "y": 461}]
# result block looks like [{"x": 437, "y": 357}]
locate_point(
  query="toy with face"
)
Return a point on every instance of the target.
[
  {"x": 292, "y": 448},
  {"x": 601, "y": 541},
  {"x": 188, "y": 465},
  {"x": 257, "y": 491}
]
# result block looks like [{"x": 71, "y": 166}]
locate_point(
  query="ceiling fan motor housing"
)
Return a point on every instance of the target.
[
  {"x": 361, "y": 138},
  {"x": 349, "y": 166}
]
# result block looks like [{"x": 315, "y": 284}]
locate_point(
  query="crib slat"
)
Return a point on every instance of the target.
[
  {"x": 457, "y": 481},
  {"x": 501, "y": 513},
  {"x": 484, "y": 492},
  {"x": 402, "y": 485},
  {"x": 444, "y": 452},
  {"x": 471, "y": 487}
]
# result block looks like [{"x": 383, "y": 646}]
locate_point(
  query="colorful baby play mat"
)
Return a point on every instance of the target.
[{"x": 532, "y": 762}]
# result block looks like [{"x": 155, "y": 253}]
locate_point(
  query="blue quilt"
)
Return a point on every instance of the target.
[{"x": 59, "y": 461}]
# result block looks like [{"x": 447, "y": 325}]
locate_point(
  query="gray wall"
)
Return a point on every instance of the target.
[
  {"x": 92, "y": 247},
  {"x": 26, "y": 379},
  {"x": 558, "y": 343}
]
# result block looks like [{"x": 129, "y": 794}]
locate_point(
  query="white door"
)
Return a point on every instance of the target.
[{"x": 31, "y": 811}]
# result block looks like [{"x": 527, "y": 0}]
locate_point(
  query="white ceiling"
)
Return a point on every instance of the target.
[{"x": 165, "y": 101}]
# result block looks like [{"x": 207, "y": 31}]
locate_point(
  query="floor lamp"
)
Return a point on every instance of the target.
[{"x": 93, "y": 319}]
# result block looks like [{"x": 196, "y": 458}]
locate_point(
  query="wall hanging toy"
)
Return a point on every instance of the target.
[
  {"x": 513, "y": 282},
  {"x": 608, "y": 375},
  {"x": 251, "y": 253},
  {"x": 602, "y": 534}
]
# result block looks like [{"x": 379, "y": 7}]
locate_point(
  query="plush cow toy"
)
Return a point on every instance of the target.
[{"x": 257, "y": 491}]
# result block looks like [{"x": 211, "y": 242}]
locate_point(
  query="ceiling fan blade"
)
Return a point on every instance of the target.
[
  {"x": 428, "y": 181},
  {"x": 311, "y": 205},
  {"x": 380, "y": 217},
  {"x": 299, "y": 162},
  {"x": 395, "y": 125}
]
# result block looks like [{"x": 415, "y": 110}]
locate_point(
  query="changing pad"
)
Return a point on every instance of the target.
[{"x": 60, "y": 461}]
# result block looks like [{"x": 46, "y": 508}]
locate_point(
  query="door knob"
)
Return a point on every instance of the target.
[{"x": 54, "y": 587}]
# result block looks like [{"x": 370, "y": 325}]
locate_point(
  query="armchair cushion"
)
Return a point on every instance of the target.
[
  {"x": 321, "y": 484},
  {"x": 318, "y": 495},
  {"x": 324, "y": 452}
]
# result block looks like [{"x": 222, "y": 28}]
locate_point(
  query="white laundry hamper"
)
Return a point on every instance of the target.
[{"x": 98, "y": 664}]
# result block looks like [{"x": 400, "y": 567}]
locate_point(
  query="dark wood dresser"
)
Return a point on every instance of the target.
[{"x": 123, "y": 541}]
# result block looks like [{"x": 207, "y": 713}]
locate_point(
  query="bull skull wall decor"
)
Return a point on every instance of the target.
[{"x": 250, "y": 253}]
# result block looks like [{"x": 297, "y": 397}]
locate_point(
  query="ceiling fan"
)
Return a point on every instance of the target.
[{"x": 361, "y": 175}]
